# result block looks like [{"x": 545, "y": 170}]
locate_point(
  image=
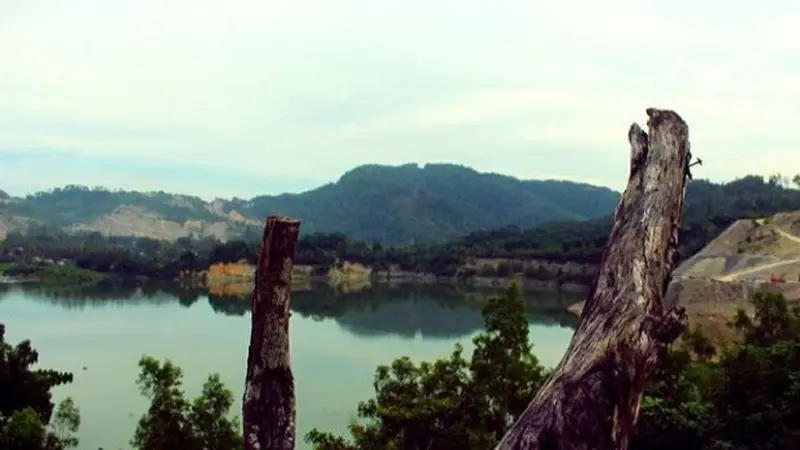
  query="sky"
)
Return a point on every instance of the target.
[{"x": 248, "y": 97}]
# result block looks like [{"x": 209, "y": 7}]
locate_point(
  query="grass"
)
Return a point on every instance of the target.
[{"x": 53, "y": 274}]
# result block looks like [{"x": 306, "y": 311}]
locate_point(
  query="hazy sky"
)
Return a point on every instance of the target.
[{"x": 261, "y": 96}]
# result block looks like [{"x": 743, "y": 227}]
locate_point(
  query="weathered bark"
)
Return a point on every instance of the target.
[
  {"x": 268, "y": 404},
  {"x": 592, "y": 400}
]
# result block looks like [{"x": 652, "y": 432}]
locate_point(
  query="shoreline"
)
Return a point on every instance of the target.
[
  {"x": 351, "y": 273},
  {"x": 490, "y": 282},
  {"x": 18, "y": 280},
  {"x": 499, "y": 282},
  {"x": 356, "y": 274},
  {"x": 16, "y": 273},
  {"x": 346, "y": 273}
]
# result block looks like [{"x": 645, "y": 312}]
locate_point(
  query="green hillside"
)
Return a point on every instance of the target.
[
  {"x": 79, "y": 204},
  {"x": 709, "y": 209},
  {"x": 395, "y": 205},
  {"x": 411, "y": 204}
]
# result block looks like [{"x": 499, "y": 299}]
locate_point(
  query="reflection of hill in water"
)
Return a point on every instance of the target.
[
  {"x": 412, "y": 317},
  {"x": 406, "y": 310},
  {"x": 439, "y": 311},
  {"x": 105, "y": 294}
]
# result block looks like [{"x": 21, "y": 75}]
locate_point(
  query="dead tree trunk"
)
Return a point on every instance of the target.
[
  {"x": 592, "y": 400},
  {"x": 268, "y": 403}
]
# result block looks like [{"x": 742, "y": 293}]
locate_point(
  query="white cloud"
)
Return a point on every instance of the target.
[{"x": 314, "y": 87}]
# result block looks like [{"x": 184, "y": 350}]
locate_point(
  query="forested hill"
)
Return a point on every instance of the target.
[
  {"x": 394, "y": 205},
  {"x": 412, "y": 204},
  {"x": 709, "y": 209}
]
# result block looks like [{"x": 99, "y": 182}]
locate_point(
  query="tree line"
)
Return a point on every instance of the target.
[
  {"x": 708, "y": 210},
  {"x": 398, "y": 205},
  {"x": 743, "y": 395}
]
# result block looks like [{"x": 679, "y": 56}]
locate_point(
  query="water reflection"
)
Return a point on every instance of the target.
[
  {"x": 432, "y": 311},
  {"x": 337, "y": 341}
]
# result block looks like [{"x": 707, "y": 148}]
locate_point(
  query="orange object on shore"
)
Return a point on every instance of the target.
[{"x": 238, "y": 269}]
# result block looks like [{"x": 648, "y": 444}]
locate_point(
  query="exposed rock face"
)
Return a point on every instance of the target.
[
  {"x": 693, "y": 291},
  {"x": 129, "y": 220}
]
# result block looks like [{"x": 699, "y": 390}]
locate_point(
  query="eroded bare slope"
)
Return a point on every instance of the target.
[{"x": 750, "y": 250}]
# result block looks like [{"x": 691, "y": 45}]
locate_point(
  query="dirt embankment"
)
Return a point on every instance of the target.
[
  {"x": 751, "y": 255},
  {"x": 242, "y": 271},
  {"x": 13, "y": 223},
  {"x": 750, "y": 250},
  {"x": 138, "y": 221},
  {"x": 349, "y": 276},
  {"x": 237, "y": 278},
  {"x": 710, "y": 304}
]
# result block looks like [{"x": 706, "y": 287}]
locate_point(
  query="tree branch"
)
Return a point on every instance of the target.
[
  {"x": 269, "y": 403},
  {"x": 592, "y": 400}
]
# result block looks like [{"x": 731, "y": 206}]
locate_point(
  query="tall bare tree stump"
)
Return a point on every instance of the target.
[
  {"x": 269, "y": 402},
  {"x": 592, "y": 400}
]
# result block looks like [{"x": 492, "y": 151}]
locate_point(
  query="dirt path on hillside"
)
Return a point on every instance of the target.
[
  {"x": 791, "y": 237},
  {"x": 733, "y": 275}
]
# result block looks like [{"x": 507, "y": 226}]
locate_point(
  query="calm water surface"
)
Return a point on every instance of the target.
[{"x": 337, "y": 340}]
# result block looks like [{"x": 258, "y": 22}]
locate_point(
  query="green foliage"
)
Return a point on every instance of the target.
[
  {"x": 23, "y": 430},
  {"x": 709, "y": 209},
  {"x": 743, "y": 396},
  {"x": 174, "y": 422},
  {"x": 27, "y": 421},
  {"x": 409, "y": 204},
  {"x": 451, "y": 403},
  {"x": 746, "y": 396},
  {"x": 66, "y": 422},
  {"x": 394, "y": 205},
  {"x": 759, "y": 398},
  {"x": 739, "y": 396},
  {"x": 673, "y": 408},
  {"x": 95, "y": 253},
  {"x": 81, "y": 204},
  {"x": 53, "y": 273}
]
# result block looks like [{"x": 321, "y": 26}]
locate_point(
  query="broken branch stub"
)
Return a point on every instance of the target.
[
  {"x": 592, "y": 400},
  {"x": 268, "y": 406}
]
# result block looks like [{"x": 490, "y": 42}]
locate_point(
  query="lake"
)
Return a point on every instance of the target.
[{"x": 337, "y": 340}]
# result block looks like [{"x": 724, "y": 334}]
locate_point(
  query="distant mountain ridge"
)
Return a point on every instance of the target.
[{"x": 394, "y": 205}]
